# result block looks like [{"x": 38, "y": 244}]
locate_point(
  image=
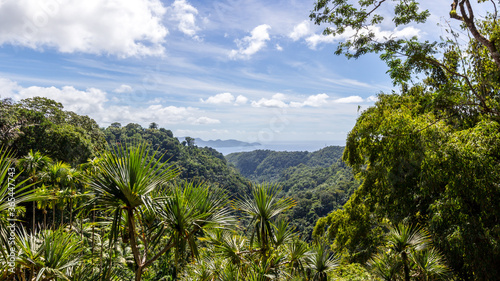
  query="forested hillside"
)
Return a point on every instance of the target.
[
  {"x": 318, "y": 181},
  {"x": 41, "y": 124},
  {"x": 203, "y": 164},
  {"x": 268, "y": 165}
]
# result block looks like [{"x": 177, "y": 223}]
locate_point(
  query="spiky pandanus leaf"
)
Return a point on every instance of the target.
[
  {"x": 321, "y": 261},
  {"x": 262, "y": 207},
  {"x": 430, "y": 264},
  {"x": 12, "y": 191}
]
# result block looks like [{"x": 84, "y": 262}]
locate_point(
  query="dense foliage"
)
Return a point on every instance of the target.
[
  {"x": 269, "y": 166},
  {"x": 41, "y": 124},
  {"x": 318, "y": 181},
  {"x": 428, "y": 154},
  {"x": 135, "y": 221},
  {"x": 146, "y": 207}
]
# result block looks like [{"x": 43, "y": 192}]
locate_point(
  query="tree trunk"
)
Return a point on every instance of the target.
[
  {"x": 138, "y": 274},
  {"x": 133, "y": 244},
  {"x": 71, "y": 213},
  {"x": 54, "y": 217},
  {"x": 34, "y": 207},
  {"x": 102, "y": 248},
  {"x": 44, "y": 219},
  {"x": 81, "y": 229},
  {"x": 406, "y": 270},
  {"x": 93, "y": 230}
]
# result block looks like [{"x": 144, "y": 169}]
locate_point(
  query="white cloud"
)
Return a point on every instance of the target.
[
  {"x": 350, "y": 99},
  {"x": 8, "y": 88},
  {"x": 153, "y": 113},
  {"x": 185, "y": 14},
  {"x": 300, "y": 30},
  {"x": 123, "y": 89},
  {"x": 279, "y": 48},
  {"x": 250, "y": 45},
  {"x": 83, "y": 102},
  {"x": 276, "y": 101},
  {"x": 219, "y": 99},
  {"x": 314, "y": 40},
  {"x": 156, "y": 101},
  {"x": 225, "y": 98},
  {"x": 372, "y": 99},
  {"x": 313, "y": 101},
  {"x": 122, "y": 28},
  {"x": 240, "y": 100},
  {"x": 163, "y": 115},
  {"x": 203, "y": 121}
]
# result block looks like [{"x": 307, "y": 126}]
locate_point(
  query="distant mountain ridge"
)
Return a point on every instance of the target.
[
  {"x": 223, "y": 143},
  {"x": 268, "y": 165}
]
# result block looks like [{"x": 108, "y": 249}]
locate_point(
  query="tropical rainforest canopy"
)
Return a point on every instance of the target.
[{"x": 414, "y": 195}]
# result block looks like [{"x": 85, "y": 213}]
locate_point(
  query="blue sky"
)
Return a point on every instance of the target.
[{"x": 232, "y": 69}]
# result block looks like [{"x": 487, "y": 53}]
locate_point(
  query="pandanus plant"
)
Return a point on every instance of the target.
[
  {"x": 408, "y": 253},
  {"x": 131, "y": 183},
  {"x": 262, "y": 207}
]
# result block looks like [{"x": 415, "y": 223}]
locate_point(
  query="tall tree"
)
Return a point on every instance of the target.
[
  {"x": 429, "y": 154},
  {"x": 34, "y": 163},
  {"x": 56, "y": 179},
  {"x": 124, "y": 183}
]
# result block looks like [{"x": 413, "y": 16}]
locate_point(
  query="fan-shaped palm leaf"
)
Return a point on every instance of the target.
[
  {"x": 386, "y": 265},
  {"x": 404, "y": 238},
  {"x": 297, "y": 253},
  {"x": 430, "y": 265},
  {"x": 189, "y": 209},
  {"x": 264, "y": 205},
  {"x": 127, "y": 176},
  {"x": 48, "y": 254},
  {"x": 321, "y": 261}
]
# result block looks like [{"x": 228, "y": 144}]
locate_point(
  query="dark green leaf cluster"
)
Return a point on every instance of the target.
[
  {"x": 428, "y": 154},
  {"x": 41, "y": 124}
]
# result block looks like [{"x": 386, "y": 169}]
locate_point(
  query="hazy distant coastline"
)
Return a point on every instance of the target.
[{"x": 229, "y": 146}]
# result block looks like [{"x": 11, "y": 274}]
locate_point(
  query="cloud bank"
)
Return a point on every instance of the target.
[
  {"x": 115, "y": 27},
  {"x": 94, "y": 102}
]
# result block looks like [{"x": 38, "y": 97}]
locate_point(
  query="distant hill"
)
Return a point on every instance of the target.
[
  {"x": 268, "y": 165},
  {"x": 318, "y": 181},
  {"x": 223, "y": 143}
]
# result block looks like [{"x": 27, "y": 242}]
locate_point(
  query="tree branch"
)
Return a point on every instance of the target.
[
  {"x": 164, "y": 250},
  {"x": 467, "y": 16}
]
